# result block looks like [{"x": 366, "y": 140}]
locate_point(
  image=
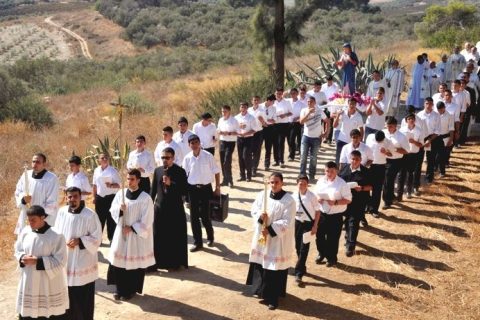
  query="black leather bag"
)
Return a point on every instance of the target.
[{"x": 218, "y": 208}]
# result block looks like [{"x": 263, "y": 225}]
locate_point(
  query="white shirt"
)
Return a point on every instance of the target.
[
  {"x": 297, "y": 107},
  {"x": 100, "y": 177},
  {"x": 329, "y": 91},
  {"x": 270, "y": 114},
  {"x": 348, "y": 123},
  {"x": 373, "y": 87},
  {"x": 418, "y": 123},
  {"x": 416, "y": 134},
  {"x": 454, "y": 109},
  {"x": 246, "y": 123},
  {"x": 310, "y": 202},
  {"x": 257, "y": 113},
  {"x": 375, "y": 146},
  {"x": 161, "y": 146},
  {"x": 461, "y": 99},
  {"x": 320, "y": 98},
  {"x": 447, "y": 124},
  {"x": 436, "y": 98},
  {"x": 332, "y": 190},
  {"x": 82, "y": 265},
  {"x": 282, "y": 107},
  {"x": 206, "y": 134},
  {"x": 313, "y": 128},
  {"x": 376, "y": 121},
  {"x": 398, "y": 140},
  {"x": 228, "y": 125},
  {"x": 79, "y": 180},
  {"x": 365, "y": 150},
  {"x": 201, "y": 169},
  {"x": 144, "y": 160},
  {"x": 182, "y": 140},
  {"x": 431, "y": 121}
]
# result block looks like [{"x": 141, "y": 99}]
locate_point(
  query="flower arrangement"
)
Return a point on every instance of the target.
[{"x": 342, "y": 98}]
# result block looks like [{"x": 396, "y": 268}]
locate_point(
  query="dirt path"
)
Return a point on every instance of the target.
[
  {"x": 418, "y": 261},
  {"x": 83, "y": 43}
]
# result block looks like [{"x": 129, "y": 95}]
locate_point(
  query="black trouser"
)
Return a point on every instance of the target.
[
  {"x": 377, "y": 176},
  {"x": 392, "y": 168},
  {"x": 210, "y": 150},
  {"x": 328, "y": 235},
  {"x": 144, "y": 184},
  {"x": 417, "y": 174},
  {"x": 338, "y": 151},
  {"x": 354, "y": 214},
  {"x": 60, "y": 317},
  {"x": 245, "y": 156},
  {"x": 82, "y": 302},
  {"x": 200, "y": 195},
  {"x": 432, "y": 156},
  {"x": 226, "y": 152},
  {"x": 442, "y": 157},
  {"x": 300, "y": 247},
  {"x": 256, "y": 150},
  {"x": 282, "y": 134},
  {"x": 294, "y": 139},
  {"x": 270, "y": 136},
  {"x": 464, "y": 126},
  {"x": 407, "y": 173},
  {"x": 102, "y": 207}
]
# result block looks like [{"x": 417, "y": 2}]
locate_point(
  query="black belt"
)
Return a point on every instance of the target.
[
  {"x": 200, "y": 186},
  {"x": 443, "y": 136}
]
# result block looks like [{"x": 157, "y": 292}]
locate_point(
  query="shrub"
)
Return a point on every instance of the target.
[{"x": 137, "y": 103}]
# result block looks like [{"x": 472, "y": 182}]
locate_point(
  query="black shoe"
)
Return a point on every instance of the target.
[
  {"x": 267, "y": 168},
  {"x": 271, "y": 307},
  {"x": 331, "y": 264},
  {"x": 263, "y": 301},
  {"x": 319, "y": 259},
  {"x": 349, "y": 253},
  {"x": 291, "y": 159},
  {"x": 230, "y": 184},
  {"x": 276, "y": 164},
  {"x": 126, "y": 298},
  {"x": 151, "y": 269},
  {"x": 364, "y": 222},
  {"x": 387, "y": 206},
  {"x": 298, "y": 279},
  {"x": 248, "y": 179},
  {"x": 196, "y": 248},
  {"x": 224, "y": 184},
  {"x": 116, "y": 296},
  {"x": 210, "y": 243},
  {"x": 375, "y": 214},
  {"x": 241, "y": 179},
  {"x": 282, "y": 165},
  {"x": 254, "y": 173}
]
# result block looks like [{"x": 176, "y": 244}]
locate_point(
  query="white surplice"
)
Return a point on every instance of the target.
[
  {"x": 135, "y": 251},
  {"x": 42, "y": 293},
  {"x": 44, "y": 192},
  {"x": 82, "y": 265},
  {"x": 279, "y": 251}
]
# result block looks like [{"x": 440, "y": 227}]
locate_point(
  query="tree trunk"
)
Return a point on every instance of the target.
[{"x": 279, "y": 43}]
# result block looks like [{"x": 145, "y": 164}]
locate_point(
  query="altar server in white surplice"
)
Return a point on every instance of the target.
[
  {"x": 83, "y": 234},
  {"x": 395, "y": 78},
  {"x": 132, "y": 246},
  {"x": 42, "y": 190},
  {"x": 269, "y": 262},
  {"x": 41, "y": 253}
]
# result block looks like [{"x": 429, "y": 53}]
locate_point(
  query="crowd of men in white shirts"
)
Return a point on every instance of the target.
[{"x": 373, "y": 151}]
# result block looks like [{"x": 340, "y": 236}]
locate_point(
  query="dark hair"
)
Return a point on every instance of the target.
[
  {"x": 169, "y": 150},
  {"x": 410, "y": 115},
  {"x": 294, "y": 90},
  {"x": 36, "y": 210},
  {"x": 135, "y": 172},
  {"x": 168, "y": 129},
  {"x": 381, "y": 90},
  {"x": 256, "y": 97},
  {"x": 312, "y": 98},
  {"x": 440, "y": 105},
  {"x": 141, "y": 137},
  {"x": 410, "y": 109},
  {"x": 392, "y": 120},
  {"x": 193, "y": 137},
  {"x": 429, "y": 99},
  {"x": 379, "y": 136},
  {"x": 271, "y": 97},
  {"x": 226, "y": 107},
  {"x": 75, "y": 159},
  {"x": 457, "y": 81},
  {"x": 73, "y": 190},
  {"x": 41, "y": 155},
  {"x": 277, "y": 175},
  {"x": 280, "y": 89},
  {"x": 182, "y": 120},
  {"x": 330, "y": 165},
  {"x": 302, "y": 177},
  {"x": 352, "y": 100},
  {"x": 375, "y": 71},
  {"x": 317, "y": 82},
  {"x": 448, "y": 91},
  {"x": 303, "y": 87},
  {"x": 244, "y": 104},
  {"x": 356, "y": 153},
  {"x": 206, "y": 116},
  {"x": 355, "y": 132},
  {"x": 329, "y": 78}
]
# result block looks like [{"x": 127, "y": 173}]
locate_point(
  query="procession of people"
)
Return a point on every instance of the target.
[{"x": 378, "y": 155}]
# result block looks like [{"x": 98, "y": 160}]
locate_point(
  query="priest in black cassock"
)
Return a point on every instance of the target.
[{"x": 170, "y": 223}]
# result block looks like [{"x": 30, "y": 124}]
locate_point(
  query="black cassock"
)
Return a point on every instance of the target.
[{"x": 170, "y": 223}]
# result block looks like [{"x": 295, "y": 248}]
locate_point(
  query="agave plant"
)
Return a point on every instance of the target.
[
  {"x": 364, "y": 69},
  {"x": 117, "y": 156}
]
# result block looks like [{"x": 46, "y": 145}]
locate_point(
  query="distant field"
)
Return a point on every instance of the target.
[{"x": 30, "y": 41}]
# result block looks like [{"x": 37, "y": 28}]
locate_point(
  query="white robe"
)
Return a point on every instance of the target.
[
  {"x": 82, "y": 265},
  {"x": 279, "y": 251},
  {"x": 445, "y": 71},
  {"x": 42, "y": 293},
  {"x": 396, "y": 78},
  {"x": 135, "y": 251},
  {"x": 373, "y": 87},
  {"x": 458, "y": 62},
  {"x": 44, "y": 192}
]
